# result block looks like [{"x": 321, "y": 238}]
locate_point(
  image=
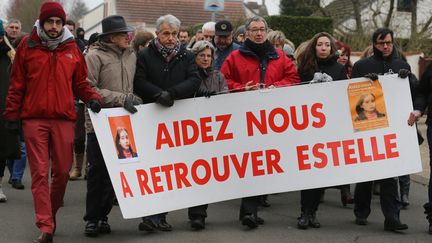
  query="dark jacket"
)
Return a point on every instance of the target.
[
  {"x": 9, "y": 146},
  {"x": 220, "y": 54},
  {"x": 153, "y": 74},
  {"x": 379, "y": 65},
  {"x": 328, "y": 66},
  {"x": 423, "y": 97},
  {"x": 211, "y": 81}
]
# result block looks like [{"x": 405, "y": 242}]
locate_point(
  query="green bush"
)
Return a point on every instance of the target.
[{"x": 299, "y": 29}]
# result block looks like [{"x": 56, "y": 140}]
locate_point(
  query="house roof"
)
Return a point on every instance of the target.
[
  {"x": 189, "y": 12},
  {"x": 341, "y": 10}
]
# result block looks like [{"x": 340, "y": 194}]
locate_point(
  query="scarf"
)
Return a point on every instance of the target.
[
  {"x": 49, "y": 42},
  {"x": 167, "y": 53},
  {"x": 259, "y": 49}
]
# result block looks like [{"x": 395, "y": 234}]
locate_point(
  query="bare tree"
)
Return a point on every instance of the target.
[
  {"x": 26, "y": 11},
  {"x": 79, "y": 9}
]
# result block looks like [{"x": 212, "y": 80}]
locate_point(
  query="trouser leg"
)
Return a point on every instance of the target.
[
  {"x": 389, "y": 199},
  {"x": 310, "y": 199},
  {"x": 404, "y": 184},
  {"x": 37, "y": 140},
  {"x": 100, "y": 193},
  {"x": 198, "y": 211},
  {"x": 362, "y": 199}
]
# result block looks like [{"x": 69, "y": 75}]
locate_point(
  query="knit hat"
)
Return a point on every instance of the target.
[
  {"x": 51, "y": 9},
  {"x": 2, "y": 30}
]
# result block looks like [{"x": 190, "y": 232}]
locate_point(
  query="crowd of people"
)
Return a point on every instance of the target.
[{"x": 50, "y": 75}]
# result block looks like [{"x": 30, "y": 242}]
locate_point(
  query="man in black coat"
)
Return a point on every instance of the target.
[
  {"x": 165, "y": 72},
  {"x": 385, "y": 59}
]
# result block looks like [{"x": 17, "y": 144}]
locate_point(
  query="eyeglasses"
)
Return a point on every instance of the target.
[
  {"x": 52, "y": 21},
  {"x": 382, "y": 43},
  {"x": 255, "y": 31}
]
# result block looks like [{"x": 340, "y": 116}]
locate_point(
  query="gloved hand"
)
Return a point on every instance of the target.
[
  {"x": 164, "y": 98},
  {"x": 94, "y": 106},
  {"x": 12, "y": 126},
  {"x": 207, "y": 94},
  {"x": 128, "y": 103},
  {"x": 135, "y": 99},
  {"x": 372, "y": 76},
  {"x": 403, "y": 73},
  {"x": 321, "y": 78}
]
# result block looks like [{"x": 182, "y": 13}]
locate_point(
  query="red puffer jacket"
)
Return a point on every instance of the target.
[
  {"x": 242, "y": 66},
  {"x": 43, "y": 82}
]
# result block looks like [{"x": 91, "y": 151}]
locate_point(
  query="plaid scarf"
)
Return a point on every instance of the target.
[{"x": 167, "y": 53}]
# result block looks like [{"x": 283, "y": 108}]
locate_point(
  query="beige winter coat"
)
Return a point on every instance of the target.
[{"x": 111, "y": 73}]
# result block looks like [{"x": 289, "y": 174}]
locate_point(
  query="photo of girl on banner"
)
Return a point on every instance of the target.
[
  {"x": 367, "y": 106},
  {"x": 123, "y": 138}
]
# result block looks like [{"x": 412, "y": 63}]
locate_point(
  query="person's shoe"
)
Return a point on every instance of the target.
[
  {"x": 346, "y": 197},
  {"x": 404, "y": 200},
  {"x": 313, "y": 221},
  {"x": 104, "y": 227},
  {"x": 198, "y": 223},
  {"x": 75, "y": 174},
  {"x": 44, "y": 238},
  {"x": 395, "y": 227},
  {"x": 3, "y": 197},
  {"x": 259, "y": 220},
  {"x": 147, "y": 225},
  {"x": 17, "y": 185},
  {"x": 163, "y": 225},
  {"x": 303, "y": 221},
  {"x": 361, "y": 221},
  {"x": 250, "y": 221},
  {"x": 264, "y": 201},
  {"x": 91, "y": 229}
]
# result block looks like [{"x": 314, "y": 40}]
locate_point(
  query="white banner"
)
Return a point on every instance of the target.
[{"x": 206, "y": 150}]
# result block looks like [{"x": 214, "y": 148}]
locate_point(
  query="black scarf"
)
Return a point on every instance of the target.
[{"x": 259, "y": 49}]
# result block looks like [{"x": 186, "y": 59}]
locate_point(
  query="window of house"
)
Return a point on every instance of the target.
[{"x": 404, "y": 5}]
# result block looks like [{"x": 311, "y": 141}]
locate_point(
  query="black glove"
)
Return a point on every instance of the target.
[
  {"x": 164, "y": 98},
  {"x": 94, "y": 106},
  {"x": 372, "y": 76},
  {"x": 129, "y": 104},
  {"x": 12, "y": 126},
  {"x": 403, "y": 73}
]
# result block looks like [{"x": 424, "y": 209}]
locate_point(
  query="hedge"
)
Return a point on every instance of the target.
[{"x": 299, "y": 28}]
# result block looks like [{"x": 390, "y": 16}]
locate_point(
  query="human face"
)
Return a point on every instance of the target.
[
  {"x": 203, "y": 59},
  {"x": 385, "y": 46},
  {"x": 323, "y": 47},
  {"x": 124, "y": 140},
  {"x": 343, "y": 57},
  {"x": 208, "y": 35},
  {"x": 277, "y": 45},
  {"x": 257, "y": 32},
  {"x": 13, "y": 30},
  {"x": 184, "y": 37},
  {"x": 240, "y": 38},
  {"x": 199, "y": 36},
  {"x": 223, "y": 41},
  {"x": 121, "y": 40},
  {"x": 70, "y": 27},
  {"x": 368, "y": 104},
  {"x": 53, "y": 26},
  {"x": 167, "y": 35}
]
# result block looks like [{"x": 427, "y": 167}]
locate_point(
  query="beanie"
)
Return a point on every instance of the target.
[
  {"x": 51, "y": 9},
  {"x": 2, "y": 30}
]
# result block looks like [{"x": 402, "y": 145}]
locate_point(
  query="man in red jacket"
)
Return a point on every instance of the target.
[
  {"x": 257, "y": 64},
  {"x": 47, "y": 71}
]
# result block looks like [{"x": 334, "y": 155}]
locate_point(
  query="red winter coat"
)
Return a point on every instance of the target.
[
  {"x": 43, "y": 82},
  {"x": 242, "y": 66}
]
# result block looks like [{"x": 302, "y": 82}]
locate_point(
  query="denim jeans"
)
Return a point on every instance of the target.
[
  {"x": 429, "y": 138},
  {"x": 17, "y": 167}
]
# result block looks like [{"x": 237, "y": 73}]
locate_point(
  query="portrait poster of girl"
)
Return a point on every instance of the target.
[
  {"x": 368, "y": 110},
  {"x": 123, "y": 138}
]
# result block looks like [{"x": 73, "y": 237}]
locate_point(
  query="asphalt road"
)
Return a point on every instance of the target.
[{"x": 17, "y": 221}]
